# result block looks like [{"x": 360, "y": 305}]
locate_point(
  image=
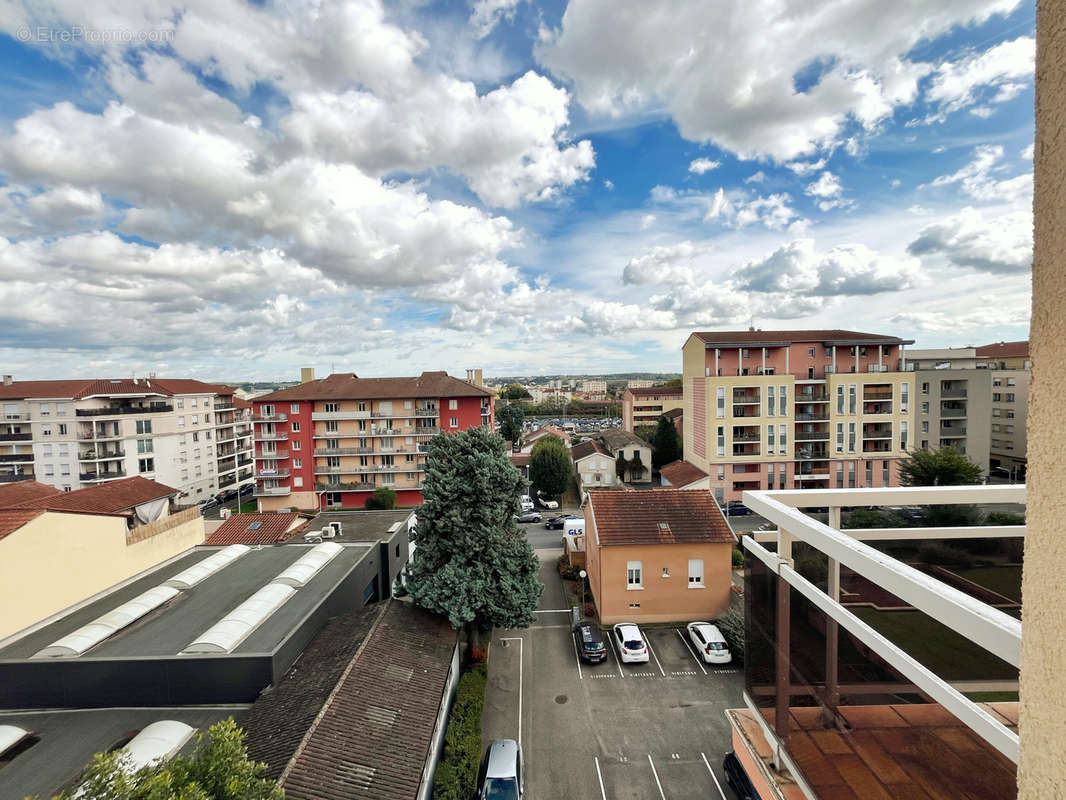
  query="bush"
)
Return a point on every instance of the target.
[
  {"x": 944, "y": 555},
  {"x": 456, "y": 777},
  {"x": 738, "y": 558},
  {"x": 568, "y": 571},
  {"x": 383, "y": 499},
  {"x": 869, "y": 518},
  {"x": 731, "y": 624}
]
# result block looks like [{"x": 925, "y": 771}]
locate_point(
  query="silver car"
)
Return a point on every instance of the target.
[{"x": 501, "y": 771}]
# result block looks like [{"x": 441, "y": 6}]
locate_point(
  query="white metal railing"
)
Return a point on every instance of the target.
[{"x": 988, "y": 627}]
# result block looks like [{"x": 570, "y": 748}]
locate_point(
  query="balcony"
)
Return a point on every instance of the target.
[
  {"x": 425, "y": 431},
  {"x": 317, "y": 416},
  {"x": 884, "y": 407},
  {"x": 812, "y": 453},
  {"x": 878, "y": 431},
  {"x": 811, "y": 471},
  {"x": 272, "y": 473},
  {"x": 114, "y": 411},
  {"x": 812, "y": 397},
  {"x": 270, "y": 418},
  {"x": 272, "y": 455},
  {"x": 226, "y": 480},
  {"x": 747, "y": 411},
  {"x": 7, "y": 477},
  {"x": 345, "y": 487},
  {"x": 223, "y": 435},
  {"x": 99, "y": 435},
  {"x": 952, "y": 412},
  {"x": 883, "y": 446},
  {"x": 244, "y": 461},
  {"x": 953, "y": 393},
  {"x": 845, "y": 647},
  {"x": 811, "y": 436},
  {"x": 429, "y": 412},
  {"x": 952, "y": 431},
  {"x": 223, "y": 405},
  {"x": 88, "y": 477},
  {"x": 876, "y": 394},
  {"x": 808, "y": 416},
  {"x": 753, "y": 449},
  {"x": 17, "y": 417},
  {"x": 342, "y": 451},
  {"x": 101, "y": 455},
  {"x": 16, "y": 458},
  {"x": 276, "y": 436},
  {"x": 271, "y": 491},
  {"x": 15, "y": 437},
  {"x": 746, "y": 434},
  {"x": 747, "y": 397}
]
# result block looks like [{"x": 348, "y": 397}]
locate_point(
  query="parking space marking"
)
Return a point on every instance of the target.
[
  {"x": 647, "y": 643},
  {"x": 686, "y": 672},
  {"x": 713, "y": 777},
  {"x": 520, "y": 644},
  {"x": 599, "y": 775},
  {"x": 688, "y": 646},
  {"x": 618, "y": 658},
  {"x": 552, "y": 611},
  {"x": 656, "y": 774},
  {"x": 577, "y": 658}
]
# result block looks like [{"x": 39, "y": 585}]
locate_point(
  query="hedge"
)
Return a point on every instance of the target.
[
  {"x": 731, "y": 624},
  {"x": 456, "y": 777}
]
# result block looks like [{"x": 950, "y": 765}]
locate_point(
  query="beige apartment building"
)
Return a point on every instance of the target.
[
  {"x": 811, "y": 409},
  {"x": 76, "y": 433},
  {"x": 954, "y": 410},
  {"x": 645, "y": 406}
]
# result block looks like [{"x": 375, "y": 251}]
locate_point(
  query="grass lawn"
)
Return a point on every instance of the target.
[
  {"x": 248, "y": 508},
  {"x": 992, "y": 697},
  {"x": 1006, "y": 581},
  {"x": 939, "y": 648}
]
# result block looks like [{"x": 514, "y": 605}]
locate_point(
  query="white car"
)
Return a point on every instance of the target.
[
  {"x": 709, "y": 643},
  {"x": 632, "y": 648},
  {"x": 526, "y": 502},
  {"x": 547, "y": 502}
]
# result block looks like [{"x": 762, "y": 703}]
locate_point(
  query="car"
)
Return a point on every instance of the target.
[
  {"x": 709, "y": 642},
  {"x": 913, "y": 516},
  {"x": 589, "y": 642},
  {"x": 248, "y": 488},
  {"x": 227, "y": 495},
  {"x": 547, "y": 502},
  {"x": 528, "y": 516},
  {"x": 500, "y": 776},
  {"x": 632, "y": 648},
  {"x": 735, "y": 508},
  {"x": 208, "y": 504},
  {"x": 525, "y": 502},
  {"x": 738, "y": 779},
  {"x": 559, "y": 523}
]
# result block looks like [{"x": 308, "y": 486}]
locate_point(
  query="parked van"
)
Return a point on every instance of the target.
[{"x": 526, "y": 502}]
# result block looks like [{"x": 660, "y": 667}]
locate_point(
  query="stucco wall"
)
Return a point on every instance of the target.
[
  {"x": 58, "y": 560},
  {"x": 1042, "y": 771}
]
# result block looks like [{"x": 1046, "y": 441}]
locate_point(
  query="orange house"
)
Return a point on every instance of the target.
[{"x": 662, "y": 555}]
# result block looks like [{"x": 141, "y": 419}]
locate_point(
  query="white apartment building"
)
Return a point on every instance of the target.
[{"x": 76, "y": 433}]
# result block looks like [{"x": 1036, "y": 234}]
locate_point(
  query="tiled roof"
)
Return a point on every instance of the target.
[
  {"x": 725, "y": 338},
  {"x": 615, "y": 439},
  {"x": 240, "y": 402},
  {"x": 682, "y": 473},
  {"x": 257, "y": 529},
  {"x": 1004, "y": 350},
  {"x": 674, "y": 413},
  {"x": 106, "y": 498},
  {"x": 373, "y": 737},
  {"x": 520, "y": 459},
  {"x": 280, "y": 718},
  {"x": 88, "y": 387},
  {"x": 349, "y": 386},
  {"x": 657, "y": 391},
  {"x": 11, "y": 521},
  {"x": 657, "y": 516},
  {"x": 546, "y": 429},
  {"x": 13, "y": 494},
  {"x": 585, "y": 449}
]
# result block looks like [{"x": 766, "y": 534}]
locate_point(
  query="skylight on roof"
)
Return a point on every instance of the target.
[
  {"x": 299, "y": 573},
  {"x": 232, "y": 629},
  {"x": 210, "y": 565},
  {"x": 255, "y": 526},
  {"x": 159, "y": 741},
  {"x": 11, "y": 735}
]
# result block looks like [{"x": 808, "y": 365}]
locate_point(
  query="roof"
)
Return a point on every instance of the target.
[
  {"x": 657, "y": 516},
  {"x": 657, "y": 391},
  {"x": 105, "y": 498},
  {"x": 780, "y": 338},
  {"x": 11, "y": 521},
  {"x": 88, "y": 387},
  {"x": 349, "y": 386},
  {"x": 12, "y": 494},
  {"x": 373, "y": 737},
  {"x": 520, "y": 459},
  {"x": 256, "y": 529},
  {"x": 681, "y": 473},
  {"x": 615, "y": 439},
  {"x": 586, "y": 449},
  {"x": 281, "y": 716},
  {"x": 546, "y": 429},
  {"x": 674, "y": 413},
  {"x": 364, "y": 526},
  {"x": 1004, "y": 350}
]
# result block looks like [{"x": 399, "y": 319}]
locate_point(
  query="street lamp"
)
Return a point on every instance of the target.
[{"x": 582, "y": 574}]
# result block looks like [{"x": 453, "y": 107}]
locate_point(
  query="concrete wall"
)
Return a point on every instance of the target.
[
  {"x": 1042, "y": 771},
  {"x": 978, "y": 411},
  {"x": 60, "y": 559}
]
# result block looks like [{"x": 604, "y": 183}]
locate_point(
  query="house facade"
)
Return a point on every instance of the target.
[{"x": 644, "y": 406}]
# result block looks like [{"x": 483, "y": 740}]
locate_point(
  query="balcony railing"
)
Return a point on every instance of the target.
[
  {"x": 807, "y": 416},
  {"x": 270, "y": 418},
  {"x": 812, "y": 397},
  {"x": 746, "y": 437},
  {"x": 950, "y": 393},
  {"x": 271, "y": 491},
  {"x": 953, "y": 413},
  {"x": 15, "y": 437},
  {"x": 811, "y": 454},
  {"x": 113, "y": 411},
  {"x": 16, "y": 458},
  {"x": 811, "y": 436},
  {"x": 883, "y": 407},
  {"x": 277, "y": 436},
  {"x": 223, "y": 405},
  {"x": 85, "y": 477},
  {"x": 948, "y": 431},
  {"x": 876, "y": 394},
  {"x": 99, "y": 435},
  {"x": 426, "y": 412},
  {"x": 9, "y": 478},
  {"x": 272, "y": 473},
  {"x": 16, "y": 417},
  {"x": 814, "y": 472},
  {"x": 270, "y": 456},
  {"x": 881, "y": 446},
  {"x": 342, "y": 451},
  {"x": 338, "y": 415},
  {"x": 94, "y": 455},
  {"x": 344, "y": 487},
  {"x": 425, "y": 431}
]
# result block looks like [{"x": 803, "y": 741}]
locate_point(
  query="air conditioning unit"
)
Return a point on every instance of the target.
[
  {"x": 327, "y": 532},
  {"x": 313, "y": 537},
  {"x": 336, "y": 526}
]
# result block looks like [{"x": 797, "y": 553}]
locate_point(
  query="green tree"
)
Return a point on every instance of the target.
[
  {"x": 473, "y": 563},
  {"x": 665, "y": 444},
  {"x": 636, "y": 467},
  {"x": 673, "y": 383},
  {"x": 218, "y": 769},
  {"x": 645, "y": 432},
  {"x": 513, "y": 391},
  {"x": 383, "y": 499},
  {"x": 511, "y": 418},
  {"x": 943, "y": 467},
  {"x": 550, "y": 466},
  {"x": 620, "y": 466}
]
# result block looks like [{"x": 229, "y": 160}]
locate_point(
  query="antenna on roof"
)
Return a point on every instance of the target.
[{"x": 751, "y": 324}]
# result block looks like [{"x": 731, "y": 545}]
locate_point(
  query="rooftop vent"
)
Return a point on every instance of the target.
[
  {"x": 398, "y": 673},
  {"x": 209, "y": 566},
  {"x": 298, "y": 574},
  {"x": 238, "y": 624},
  {"x": 10, "y": 736},
  {"x": 160, "y": 741}
]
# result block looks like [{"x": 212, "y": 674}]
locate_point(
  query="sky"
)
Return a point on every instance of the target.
[{"x": 234, "y": 190}]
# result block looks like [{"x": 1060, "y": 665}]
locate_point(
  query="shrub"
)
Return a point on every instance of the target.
[
  {"x": 731, "y": 624},
  {"x": 456, "y": 777},
  {"x": 383, "y": 499},
  {"x": 943, "y": 555},
  {"x": 738, "y": 558},
  {"x": 869, "y": 518}
]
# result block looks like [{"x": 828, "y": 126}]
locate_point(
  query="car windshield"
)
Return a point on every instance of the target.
[
  {"x": 500, "y": 789},
  {"x": 716, "y": 646},
  {"x": 634, "y": 644},
  {"x": 593, "y": 645}
]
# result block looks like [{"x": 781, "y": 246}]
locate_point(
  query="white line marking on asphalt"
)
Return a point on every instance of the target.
[
  {"x": 552, "y": 611},
  {"x": 577, "y": 658},
  {"x": 603, "y": 794},
  {"x": 714, "y": 777},
  {"x": 648, "y": 645},
  {"x": 688, "y": 646},
  {"x": 656, "y": 774},
  {"x": 618, "y": 658},
  {"x": 520, "y": 652}
]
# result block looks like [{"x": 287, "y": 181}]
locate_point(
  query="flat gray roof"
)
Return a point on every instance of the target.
[
  {"x": 69, "y": 739},
  {"x": 176, "y": 624},
  {"x": 361, "y": 526}
]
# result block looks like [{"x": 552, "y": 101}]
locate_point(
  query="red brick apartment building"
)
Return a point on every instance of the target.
[{"x": 330, "y": 443}]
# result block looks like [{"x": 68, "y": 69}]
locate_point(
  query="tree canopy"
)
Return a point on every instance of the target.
[
  {"x": 511, "y": 417},
  {"x": 383, "y": 498},
  {"x": 550, "y": 466},
  {"x": 943, "y": 467},
  {"x": 473, "y": 564},
  {"x": 218, "y": 769},
  {"x": 665, "y": 444},
  {"x": 513, "y": 391}
]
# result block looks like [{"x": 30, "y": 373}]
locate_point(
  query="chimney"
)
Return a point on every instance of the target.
[
  {"x": 8, "y": 380},
  {"x": 475, "y": 376},
  {"x": 307, "y": 374}
]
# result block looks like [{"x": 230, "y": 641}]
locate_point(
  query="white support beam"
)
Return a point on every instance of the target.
[
  {"x": 897, "y": 496},
  {"x": 917, "y": 534}
]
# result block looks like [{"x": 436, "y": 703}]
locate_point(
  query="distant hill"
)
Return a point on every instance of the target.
[{"x": 614, "y": 377}]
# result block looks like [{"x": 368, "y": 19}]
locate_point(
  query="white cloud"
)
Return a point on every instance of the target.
[
  {"x": 978, "y": 181},
  {"x": 727, "y": 78},
  {"x": 608, "y": 318},
  {"x": 757, "y": 177},
  {"x": 1007, "y": 67},
  {"x": 1027, "y": 153},
  {"x": 735, "y": 209},
  {"x": 608, "y": 185},
  {"x": 647, "y": 221},
  {"x": 970, "y": 239},
  {"x": 487, "y": 14},
  {"x": 804, "y": 168},
  {"x": 702, "y": 165},
  {"x": 663, "y": 264}
]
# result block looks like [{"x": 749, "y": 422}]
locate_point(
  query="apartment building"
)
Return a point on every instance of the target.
[
  {"x": 943, "y": 358},
  {"x": 954, "y": 410},
  {"x": 810, "y": 409},
  {"x": 594, "y": 387},
  {"x": 645, "y": 406},
  {"x": 1004, "y": 355},
  {"x": 640, "y": 383},
  {"x": 76, "y": 433},
  {"x": 329, "y": 443}
]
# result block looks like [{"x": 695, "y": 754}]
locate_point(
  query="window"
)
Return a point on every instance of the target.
[
  {"x": 144, "y": 426},
  {"x": 840, "y": 440},
  {"x": 410, "y": 457},
  {"x": 781, "y": 443},
  {"x": 840, "y": 474},
  {"x": 332, "y": 408},
  {"x": 294, "y": 408},
  {"x": 997, "y": 381},
  {"x": 297, "y": 463},
  {"x": 810, "y": 352},
  {"x": 180, "y": 403},
  {"x": 996, "y": 412},
  {"x": 181, "y": 422},
  {"x": 297, "y": 481},
  {"x": 144, "y": 446},
  {"x": 64, "y": 449},
  {"x": 46, "y": 430},
  {"x": 295, "y": 427},
  {"x": 851, "y": 437},
  {"x": 195, "y": 419},
  {"x": 196, "y": 436},
  {"x": 46, "y": 450},
  {"x": 207, "y": 435},
  {"x": 1012, "y": 382},
  {"x": 925, "y": 407},
  {"x": 997, "y": 397},
  {"x": 634, "y": 575},
  {"x": 851, "y": 398},
  {"x": 62, "y": 429},
  {"x": 995, "y": 442},
  {"x": 1010, "y": 399},
  {"x": 453, "y": 405},
  {"x": 770, "y": 476},
  {"x": 851, "y": 474},
  {"x": 193, "y": 403},
  {"x": 333, "y": 462},
  {"x": 840, "y": 398},
  {"x": 770, "y": 402},
  {"x": 925, "y": 388},
  {"x": 884, "y": 473},
  {"x": 388, "y": 478},
  {"x": 185, "y": 474},
  {"x": 720, "y": 394},
  {"x": 207, "y": 421},
  {"x": 46, "y": 409},
  {"x": 146, "y": 465},
  {"x": 904, "y": 396},
  {"x": 925, "y": 426},
  {"x": 721, "y": 472},
  {"x": 769, "y": 439},
  {"x": 332, "y": 426},
  {"x": 695, "y": 573},
  {"x": 721, "y": 440},
  {"x": 1010, "y": 415},
  {"x": 408, "y": 404},
  {"x": 49, "y": 470},
  {"x": 454, "y": 422},
  {"x": 360, "y": 406},
  {"x": 903, "y": 435},
  {"x": 719, "y": 495},
  {"x": 782, "y": 400},
  {"x": 745, "y": 353}
]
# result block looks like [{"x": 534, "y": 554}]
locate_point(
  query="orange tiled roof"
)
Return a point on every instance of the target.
[
  {"x": 682, "y": 473},
  {"x": 106, "y": 498},
  {"x": 13, "y": 494},
  {"x": 88, "y": 387},
  {"x": 349, "y": 386},
  {"x": 256, "y": 529},
  {"x": 657, "y": 391},
  {"x": 725, "y": 338},
  {"x": 657, "y": 516},
  {"x": 1004, "y": 350},
  {"x": 585, "y": 449},
  {"x": 11, "y": 521}
]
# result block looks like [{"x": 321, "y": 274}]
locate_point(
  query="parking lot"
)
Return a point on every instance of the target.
[{"x": 609, "y": 730}]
